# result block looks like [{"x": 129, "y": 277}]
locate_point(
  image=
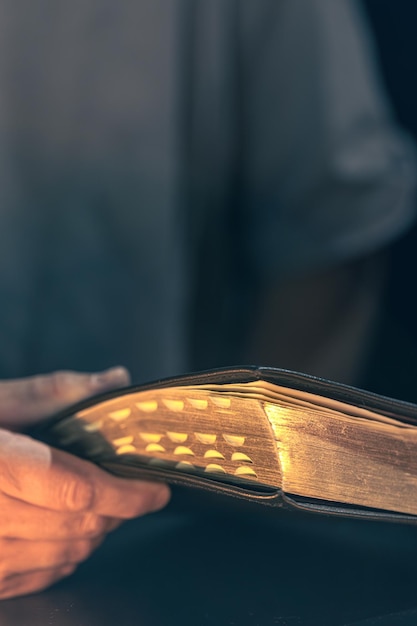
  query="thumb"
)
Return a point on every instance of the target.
[
  {"x": 27, "y": 400},
  {"x": 32, "y": 472}
]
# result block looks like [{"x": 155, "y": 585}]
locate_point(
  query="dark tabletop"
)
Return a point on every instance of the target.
[{"x": 215, "y": 567}]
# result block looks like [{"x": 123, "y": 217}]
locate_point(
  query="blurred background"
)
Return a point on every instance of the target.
[
  {"x": 192, "y": 185},
  {"x": 394, "y": 364}
]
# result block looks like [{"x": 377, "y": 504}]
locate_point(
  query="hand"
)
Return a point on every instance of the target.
[{"x": 55, "y": 508}]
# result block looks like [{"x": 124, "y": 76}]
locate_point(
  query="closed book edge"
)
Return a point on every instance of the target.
[{"x": 270, "y": 436}]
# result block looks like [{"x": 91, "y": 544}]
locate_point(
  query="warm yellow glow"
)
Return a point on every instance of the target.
[
  {"x": 279, "y": 417},
  {"x": 198, "y": 404},
  {"x": 183, "y": 450},
  {"x": 221, "y": 403},
  {"x": 234, "y": 440},
  {"x": 123, "y": 441},
  {"x": 240, "y": 457},
  {"x": 126, "y": 450},
  {"x": 119, "y": 415},
  {"x": 154, "y": 447},
  {"x": 93, "y": 427},
  {"x": 177, "y": 437},
  {"x": 215, "y": 469},
  {"x": 150, "y": 437},
  {"x": 174, "y": 405},
  {"x": 244, "y": 470},
  {"x": 213, "y": 454},
  {"x": 147, "y": 407},
  {"x": 206, "y": 438}
]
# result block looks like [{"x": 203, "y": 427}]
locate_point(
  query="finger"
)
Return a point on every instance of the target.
[
  {"x": 27, "y": 400},
  {"x": 120, "y": 497},
  {"x": 20, "y": 520},
  {"x": 23, "y": 584},
  {"x": 18, "y": 556},
  {"x": 53, "y": 479},
  {"x": 98, "y": 491}
]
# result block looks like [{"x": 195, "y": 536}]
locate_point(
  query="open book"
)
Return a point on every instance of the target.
[{"x": 279, "y": 437}]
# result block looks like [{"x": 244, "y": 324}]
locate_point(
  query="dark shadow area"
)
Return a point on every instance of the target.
[
  {"x": 393, "y": 369},
  {"x": 238, "y": 568}
]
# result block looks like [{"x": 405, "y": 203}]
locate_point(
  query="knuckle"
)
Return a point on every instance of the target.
[
  {"x": 76, "y": 494},
  {"x": 44, "y": 386},
  {"x": 56, "y": 384},
  {"x": 91, "y": 525}
]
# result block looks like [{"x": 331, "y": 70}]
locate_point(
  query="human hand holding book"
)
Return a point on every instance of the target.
[{"x": 56, "y": 508}]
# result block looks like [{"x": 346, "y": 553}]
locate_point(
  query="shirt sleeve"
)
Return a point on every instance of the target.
[{"x": 328, "y": 176}]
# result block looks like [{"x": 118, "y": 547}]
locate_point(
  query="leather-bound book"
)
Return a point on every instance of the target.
[{"x": 277, "y": 437}]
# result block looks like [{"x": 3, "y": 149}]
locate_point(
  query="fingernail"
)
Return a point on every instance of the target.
[{"x": 111, "y": 378}]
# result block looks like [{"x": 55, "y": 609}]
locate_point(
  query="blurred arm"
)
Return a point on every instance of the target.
[{"x": 323, "y": 322}]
